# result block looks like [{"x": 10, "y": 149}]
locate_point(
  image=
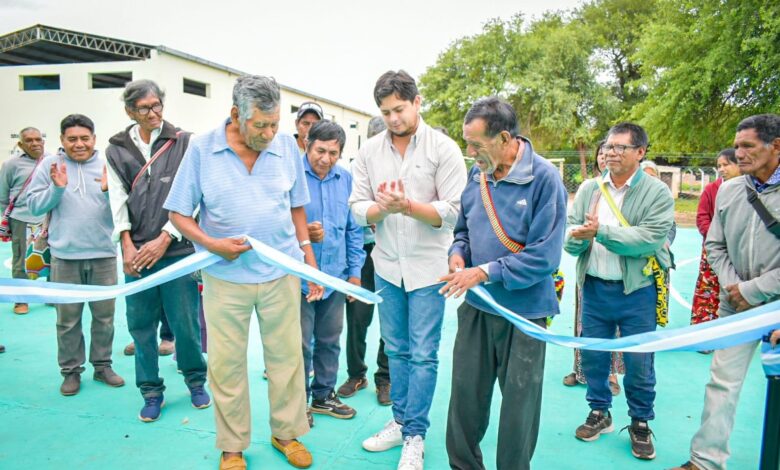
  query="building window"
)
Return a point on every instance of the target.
[
  {"x": 294, "y": 109},
  {"x": 40, "y": 82},
  {"x": 110, "y": 79},
  {"x": 196, "y": 88}
]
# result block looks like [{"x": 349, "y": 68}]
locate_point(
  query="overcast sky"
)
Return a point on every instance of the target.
[{"x": 334, "y": 49}]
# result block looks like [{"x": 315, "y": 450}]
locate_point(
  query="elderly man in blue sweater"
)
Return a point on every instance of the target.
[{"x": 509, "y": 237}]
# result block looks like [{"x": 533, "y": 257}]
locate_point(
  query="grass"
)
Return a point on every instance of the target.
[{"x": 686, "y": 205}]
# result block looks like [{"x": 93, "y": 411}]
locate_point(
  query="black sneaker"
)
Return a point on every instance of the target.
[
  {"x": 352, "y": 386},
  {"x": 332, "y": 406},
  {"x": 597, "y": 423},
  {"x": 641, "y": 440}
]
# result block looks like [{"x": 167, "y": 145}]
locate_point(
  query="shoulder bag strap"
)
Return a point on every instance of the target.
[
  {"x": 763, "y": 213},
  {"x": 498, "y": 229},
  {"x": 156, "y": 155}
]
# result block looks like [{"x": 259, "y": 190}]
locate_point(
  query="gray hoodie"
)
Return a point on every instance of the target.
[
  {"x": 81, "y": 223},
  {"x": 740, "y": 248}
]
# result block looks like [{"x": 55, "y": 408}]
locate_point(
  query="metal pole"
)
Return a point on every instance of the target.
[{"x": 770, "y": 444}]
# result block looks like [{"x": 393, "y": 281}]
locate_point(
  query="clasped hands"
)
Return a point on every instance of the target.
[
  {"x": 588, "y": 230},
  {"x": 391, "y": 198},
  {"x": 460, "y": 279}
]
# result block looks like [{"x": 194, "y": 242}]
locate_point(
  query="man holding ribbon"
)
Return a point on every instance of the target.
[
  {"x": 743, "y": 248},
  {"x": 143, "y": 160},
  {"x": 508, "y": 237},
  {"x": 250, "y": 181},
  {"x": 620, "y": 227}
]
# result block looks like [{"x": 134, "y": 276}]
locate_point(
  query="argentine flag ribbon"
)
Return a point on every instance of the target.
[{"x": 24, "y": 291}]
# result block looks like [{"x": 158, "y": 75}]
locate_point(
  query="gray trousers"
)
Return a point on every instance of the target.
[
  {"x": 488, "y": 347},
  {"x": 70, "y": 339},
  {"x": 18, "y": 247}
]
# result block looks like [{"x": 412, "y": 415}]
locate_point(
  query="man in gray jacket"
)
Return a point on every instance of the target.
[
  {"x": 14, "y": 176},
  {"x": 745, "y": 255},
  {"x": 73, "y": 187}
]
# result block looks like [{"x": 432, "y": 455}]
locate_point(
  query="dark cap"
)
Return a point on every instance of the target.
[{"x": 310, "y": 107}]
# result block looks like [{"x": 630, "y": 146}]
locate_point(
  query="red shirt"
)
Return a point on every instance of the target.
[{"x": 706, "y": 208}]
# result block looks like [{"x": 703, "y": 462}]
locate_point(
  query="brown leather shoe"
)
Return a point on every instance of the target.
[
  {"x": 352, "y": 386},
  {"x": 71, "y": 385},
  {"x": 21, "y": 309},
  {"x": 130, "y": 349},
  {"x": 570, "y": 380},
  {"x": 166, "y": 347},
  {"x": 296, "y": 453},
  {"x": 383, "y": 395},
  {"x": 686, "y": 466},
  {"x": 235, "y": 462},
  {"x": 108, "y": 377}
]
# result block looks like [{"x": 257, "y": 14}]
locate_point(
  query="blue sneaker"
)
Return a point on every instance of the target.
[
  {"x": 199, "y": 397},
  {"x": 152, "y": 409}
]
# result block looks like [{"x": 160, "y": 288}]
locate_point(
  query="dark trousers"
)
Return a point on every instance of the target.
[
  {"x": 488, "y": 347},
  {"x": 359, "y": 317},
  {"x": 179, "y": 300},
  {"x": 70, "y": 338},
  {"x": 321, "y": 325},
  {"x": 18, "y": 247},
  {"x": 604, "y": 309}
]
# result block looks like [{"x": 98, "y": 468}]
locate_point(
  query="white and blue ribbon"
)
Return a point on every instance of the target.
[{"x": 21, "y": 290}]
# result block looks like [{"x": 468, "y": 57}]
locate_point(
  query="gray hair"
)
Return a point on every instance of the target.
[
  {"x": 255, "y": 91},
  {"x": 375, "y": 126},
  {"x": 497, "y": 113},
  {"x": 140, "y": 89},
  {"x": 28, "y": 129}
]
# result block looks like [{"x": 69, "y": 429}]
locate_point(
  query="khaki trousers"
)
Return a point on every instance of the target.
[{"x": 228, "y": 307}]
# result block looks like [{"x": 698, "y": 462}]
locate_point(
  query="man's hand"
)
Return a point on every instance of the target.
[
  {"x": 774, "y": 338},
  {"x": 355, "y": 281},
  {"x": 456, "y": 263},
  {"x": 391, "y": 198},
  {"x": 316, "y": 232},
  {"x": 151, "y": 252},
  {"x": 459, "y": 282},
  {"x": 129, "y": 253},
  {"x": 736, "y": 300},
  {"x": 588, "y": 230},
  {"x": 104, "y": 180},
  {"x": 59, "y": 174},
  {"x": 228, "y": 248},
  {"x": 315, "y": 292}
]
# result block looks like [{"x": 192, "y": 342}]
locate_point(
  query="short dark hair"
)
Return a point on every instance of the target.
[
  {"x": 767, "y": 126},
  {"x": 730, "y": 154},
  {"x": 498, "y": 115},
  {"x": 638, "y": 134},
  {"x": 596, "y": 155},
  {"x": 76, "y": 120},
  {"x": 325, "y": 131},
  {"x": 399, "y": 83}
]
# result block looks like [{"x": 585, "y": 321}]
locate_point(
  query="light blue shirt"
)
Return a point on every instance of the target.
[
  {"x": 340, "y": 253},
  {"x": 234, "y": 202}
]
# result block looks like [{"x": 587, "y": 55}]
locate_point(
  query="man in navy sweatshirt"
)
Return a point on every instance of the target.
[
  {"x": 72, "y": 186},
  {"x": 509, "y": 237}
]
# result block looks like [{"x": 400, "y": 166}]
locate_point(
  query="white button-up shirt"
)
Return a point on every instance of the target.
[
  {"x": 408, "y": 251},
  {"x": 603, "y": 263}
]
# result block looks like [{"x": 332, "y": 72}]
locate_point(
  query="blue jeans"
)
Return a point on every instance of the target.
[
  {"x": 321, "y": 325},
  {"x": 410, "y": 323},
  {"x": 604, "y": 308},
  {"x": 178, "y": 299}
]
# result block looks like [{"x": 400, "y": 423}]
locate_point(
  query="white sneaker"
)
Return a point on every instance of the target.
[
  {"x": 413, "y": 454},
  {"x": 387, "y": 438}
]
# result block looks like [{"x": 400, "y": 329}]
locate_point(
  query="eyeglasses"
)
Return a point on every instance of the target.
[
  {"x": 144, "y": 110},
  {"x": 619, "y": 149}
]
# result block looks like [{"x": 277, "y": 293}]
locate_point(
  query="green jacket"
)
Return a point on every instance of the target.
[{"x": 649, "y": 208}]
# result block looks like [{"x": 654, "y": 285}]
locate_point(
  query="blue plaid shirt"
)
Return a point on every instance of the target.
[{"x": 774, "y": 179}]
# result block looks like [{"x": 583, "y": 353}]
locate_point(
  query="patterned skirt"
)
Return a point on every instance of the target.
[
  {"x": 705, "y": 297},
  {"x": 618, "y": 367}
]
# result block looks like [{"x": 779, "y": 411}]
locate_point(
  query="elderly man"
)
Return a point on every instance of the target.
[
  {"x": 616, "y": 280},
  {"x": 338, "y": 249},
  {"x": 308, "y": 113},
  {"x": 745, "y": 254},
  {"x": 15, "y": 177},
  {"x": 408, "y": 181},
  {"x": 143, "y": 161},
  {"x": 72, "y": 187},
  {"x": 509, "y": 237},
  {"x": 250, "y": 181},
  {"x": 359, "y": 317}
]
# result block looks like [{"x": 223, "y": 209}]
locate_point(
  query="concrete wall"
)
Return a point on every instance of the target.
[{"x": 46, "y": 108}]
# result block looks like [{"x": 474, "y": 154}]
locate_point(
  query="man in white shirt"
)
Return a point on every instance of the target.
[
  {"x": 408, "y": 181},
  {"x": 143, "y": 161}
]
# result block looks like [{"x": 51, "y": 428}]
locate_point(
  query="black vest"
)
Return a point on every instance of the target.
[{"x": 145, "y": 201}]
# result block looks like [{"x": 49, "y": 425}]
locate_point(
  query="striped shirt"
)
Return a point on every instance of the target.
[{"x": 234, "y": 202}]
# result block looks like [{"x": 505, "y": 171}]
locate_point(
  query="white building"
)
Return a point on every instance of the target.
[{"x": 47, "y": 73}]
